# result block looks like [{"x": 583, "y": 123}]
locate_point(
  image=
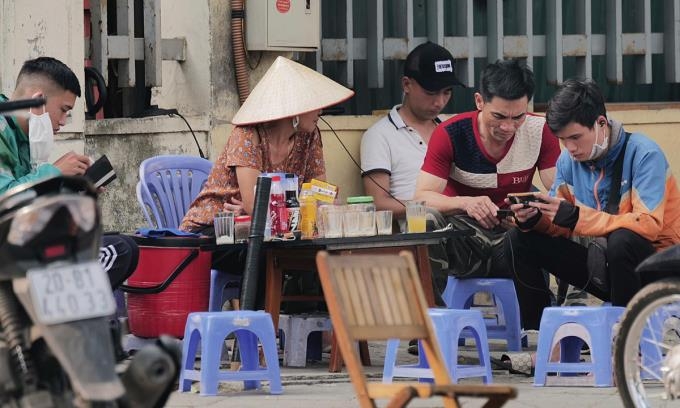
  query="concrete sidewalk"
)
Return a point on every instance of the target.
[{"x": 315, "y": 387}]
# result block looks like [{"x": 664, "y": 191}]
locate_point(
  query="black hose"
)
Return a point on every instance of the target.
[
  {"x": 94, "y": 77},
  {"x": 12, "y": 327},
  {"x": 260, "y": 209}
]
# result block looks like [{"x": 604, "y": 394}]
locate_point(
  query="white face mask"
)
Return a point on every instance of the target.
[
  {"x": 40, "y": 137},
  {"x": 599, "y": 149}
]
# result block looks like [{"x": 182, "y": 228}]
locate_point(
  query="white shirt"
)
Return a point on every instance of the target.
[{"x": 391, "y": 147}]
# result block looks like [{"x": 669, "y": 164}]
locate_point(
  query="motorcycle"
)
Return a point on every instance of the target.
[
  {"x": 647, "y": 345},
  {"x": 56, "y": 308}
]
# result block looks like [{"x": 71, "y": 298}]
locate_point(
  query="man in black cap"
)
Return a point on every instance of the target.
[
  {"x": 392, "y": 150},
  {"x": 476, "y": 158}
]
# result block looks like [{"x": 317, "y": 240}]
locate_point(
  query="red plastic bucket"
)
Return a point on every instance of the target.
[{"x": 172, "y": 279}]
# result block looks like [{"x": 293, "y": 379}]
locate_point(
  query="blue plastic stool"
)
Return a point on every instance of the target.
[
  {"x": 459, "y": 294},
  {"x": 210, "y": 329},
  {"x": 223, "y": 286},
  {"x": 572, "y": 326},
  {"x": 448, "y": 325},
  {"x": 296, "y": 337}
]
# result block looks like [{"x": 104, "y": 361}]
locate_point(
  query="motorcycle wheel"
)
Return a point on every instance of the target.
[{"x": 651, "y": 323}]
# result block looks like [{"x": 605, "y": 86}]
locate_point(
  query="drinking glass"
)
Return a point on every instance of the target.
[
  {"x": 351, "y": 222},
  {"x": 330, "y": 219},
  {"x": 416, "y": 213},
  {"x": 224, "y": 228},
  {"x": 383, "y": 220}
]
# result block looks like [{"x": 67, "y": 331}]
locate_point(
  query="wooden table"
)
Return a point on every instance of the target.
[{"x": 300, "y": 255}]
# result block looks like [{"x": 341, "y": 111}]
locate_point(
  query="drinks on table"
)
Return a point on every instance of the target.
[
  {"x": 224, "y": 228},
  {"x": 383, "y": 220},
  {"x": 359, "y": 217},
  {"x": 277, "y": 208},
  {"x": 415, "y": 216},
  {"x": 292, "y": 204},
  {"x": 307, "y": 212}
]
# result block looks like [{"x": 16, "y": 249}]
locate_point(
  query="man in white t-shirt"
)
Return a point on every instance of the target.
[{"x": 393, "y": 149}]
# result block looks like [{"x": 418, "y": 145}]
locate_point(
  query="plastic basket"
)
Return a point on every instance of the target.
[{"x": 172, "y": 279}]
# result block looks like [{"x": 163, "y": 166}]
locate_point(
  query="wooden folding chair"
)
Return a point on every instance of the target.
[{"x": 380, "y": 297}]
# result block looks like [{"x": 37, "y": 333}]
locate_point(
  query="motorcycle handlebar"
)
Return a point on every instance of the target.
[{"x": 21, "y": 104}]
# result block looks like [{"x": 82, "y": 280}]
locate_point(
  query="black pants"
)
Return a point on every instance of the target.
[
  {"x": 443, "y": 259},
  {"x": 530, "y": 252},
  {"x": 118, "y": 255}
]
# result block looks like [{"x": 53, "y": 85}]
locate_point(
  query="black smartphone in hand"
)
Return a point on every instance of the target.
[
  {"x": 504, "y": 213},
  {"x": 523, "y": 198}
]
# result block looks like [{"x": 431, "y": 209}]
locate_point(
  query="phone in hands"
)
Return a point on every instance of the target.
[
  {"x": 523, "y": 198},
  {"x": 503, "y": 213}
]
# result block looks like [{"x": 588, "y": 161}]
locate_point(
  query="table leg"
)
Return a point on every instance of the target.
[
  {"x": 363, "y": 353},
  {"x": 336, "y": 362},
  {"x": 274, "y": 282},
  {"x": 425, "y": 271}
]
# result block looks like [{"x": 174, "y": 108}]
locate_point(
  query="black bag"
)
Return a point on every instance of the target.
[
  {"x": 597, "y": 263},
  {"x": 597, "y": 246},
  {"x": 473, "y": 256}
]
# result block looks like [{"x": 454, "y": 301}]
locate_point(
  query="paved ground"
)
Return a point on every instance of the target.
[{"x": 314, "y": 387}]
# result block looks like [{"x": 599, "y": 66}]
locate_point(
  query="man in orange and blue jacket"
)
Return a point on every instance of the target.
[{"x": 642, "y": 219}]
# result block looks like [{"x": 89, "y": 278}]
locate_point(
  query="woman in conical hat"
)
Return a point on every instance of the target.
[{"x": 275, "y": 132}]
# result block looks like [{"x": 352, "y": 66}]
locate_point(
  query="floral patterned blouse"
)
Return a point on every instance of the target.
[{"x": 243, "y": 150}]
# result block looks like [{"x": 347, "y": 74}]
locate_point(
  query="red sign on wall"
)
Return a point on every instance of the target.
[{"x": 283, "y": 6}]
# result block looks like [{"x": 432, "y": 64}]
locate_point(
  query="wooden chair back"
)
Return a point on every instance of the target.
[{"x": 380, "y": 297}]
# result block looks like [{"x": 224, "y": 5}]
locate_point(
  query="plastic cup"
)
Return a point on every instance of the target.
[
  {"x": 329, "y": 219},
  {"x": 416, "y": 214},
  {"x": 351, "y": 223},
  {"x": 367, "y": 223},
  {"x": 224, "y": 228},
  {"x": 334, "y": 224},
  {"x": 383, "y": 220}
]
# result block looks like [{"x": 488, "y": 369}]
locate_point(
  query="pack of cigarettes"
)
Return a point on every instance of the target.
[{"x": 324, "y": 191}]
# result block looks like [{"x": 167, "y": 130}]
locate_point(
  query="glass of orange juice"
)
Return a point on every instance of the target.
[{"x": 415, "y": 216}]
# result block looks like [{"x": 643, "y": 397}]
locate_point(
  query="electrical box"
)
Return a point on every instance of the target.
[{"x": 283, "y": 25}]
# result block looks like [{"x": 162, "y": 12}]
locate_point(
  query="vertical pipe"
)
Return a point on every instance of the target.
[
  {"x": 256, "y": 237},
  {"x": 238, "y": 49}
]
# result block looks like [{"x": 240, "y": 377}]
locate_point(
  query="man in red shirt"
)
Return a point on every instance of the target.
[{"x": 476, "y": 158}]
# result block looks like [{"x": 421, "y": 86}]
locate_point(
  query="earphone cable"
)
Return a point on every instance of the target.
[
  {"x": 516, "y": 275},
  {"x": 359, "y": 165},
  {"x": 198, "y": 146}
]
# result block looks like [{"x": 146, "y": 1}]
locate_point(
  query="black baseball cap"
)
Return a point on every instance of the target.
[{"x": 432, "y": 66}]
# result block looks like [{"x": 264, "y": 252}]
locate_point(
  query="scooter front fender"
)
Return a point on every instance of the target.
[{"x": 661, "y": 265}]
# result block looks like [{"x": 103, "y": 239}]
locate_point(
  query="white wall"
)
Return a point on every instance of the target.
[
  {"x": 35, "y": 28},
  {"x": 186, "y": 85}
]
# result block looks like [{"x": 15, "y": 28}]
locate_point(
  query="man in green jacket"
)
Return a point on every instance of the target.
[{"x": 26, "y": 142}]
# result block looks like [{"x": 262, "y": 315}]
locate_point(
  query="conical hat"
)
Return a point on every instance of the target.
[{"x": 288, "y": 89}]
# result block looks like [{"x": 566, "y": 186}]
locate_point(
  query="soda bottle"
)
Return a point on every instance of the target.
[
  {"x": 292, "y": 204},
  {"x": 277, "y": 208},
  {"x": 307, "y": 212}
]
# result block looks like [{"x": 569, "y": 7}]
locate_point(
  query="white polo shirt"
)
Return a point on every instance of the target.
[{"x": 391, "y": 147}]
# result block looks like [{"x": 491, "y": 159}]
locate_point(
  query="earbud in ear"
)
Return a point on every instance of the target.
[{"x": 601, "y": 123}]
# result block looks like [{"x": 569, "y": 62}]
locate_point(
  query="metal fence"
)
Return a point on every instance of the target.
[{"x": 631, "y": 47}]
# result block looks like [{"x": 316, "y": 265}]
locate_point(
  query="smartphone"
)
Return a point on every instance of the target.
[
  {"x": 504, "y": 213},
  {"x": 523, "y": 198}
]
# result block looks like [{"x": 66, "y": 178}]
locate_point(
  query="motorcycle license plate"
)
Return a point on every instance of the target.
[{"x": 70, "y": 292}]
